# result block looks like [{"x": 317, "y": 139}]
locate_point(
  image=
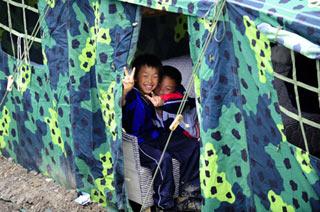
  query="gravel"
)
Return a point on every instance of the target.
[{"x": 22, "y": 191}]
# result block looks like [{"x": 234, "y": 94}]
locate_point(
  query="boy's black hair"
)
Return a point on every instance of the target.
[
  {"x": 173, "y": 73},
  {"x": 146, "y": 59}
]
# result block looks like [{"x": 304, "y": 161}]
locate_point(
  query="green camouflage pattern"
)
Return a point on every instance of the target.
[{"x": 63, "y": 118}]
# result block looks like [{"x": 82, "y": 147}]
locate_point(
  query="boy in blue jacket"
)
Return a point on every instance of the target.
[{"x": 138, "y": 119}]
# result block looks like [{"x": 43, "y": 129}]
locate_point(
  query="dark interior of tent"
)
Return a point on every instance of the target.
[
  {"x": 307, "y": 101},
  {"x": 10, "y": 46}
]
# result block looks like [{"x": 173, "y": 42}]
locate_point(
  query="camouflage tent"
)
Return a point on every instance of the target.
[{"x": 63, "y": 117}]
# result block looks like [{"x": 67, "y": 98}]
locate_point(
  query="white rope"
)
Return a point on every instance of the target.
[
  {"x": 18, "y": 34},
  {"x": 208, "y": 39},
  {"x": 300, "y": 84},
  {"x": 14, "y": 32},
  {"x": 2, "y": 100},
  {"x": 37, "y": 27},
  {"x": 25, "y": 45},
  {"x": 223, "y": 33},
  {"x": 29, "y": 44},
  {"x": 35, "y": 31},
  {"x": 21, "y": 5},
  {"x": 296, "y": 117},
  {"x": 212, "y": 6},
  {"x": 19, "y": 63},
  {"x": 10, "y": 30},
  {"x": 294, "y": 76}
]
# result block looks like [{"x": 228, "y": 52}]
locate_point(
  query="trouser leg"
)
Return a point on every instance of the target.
[
  {"x": 187, "y": 152},
  {"x": 163, "y": 184}
]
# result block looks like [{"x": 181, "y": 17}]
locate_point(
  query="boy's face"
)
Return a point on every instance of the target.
[
  {"x": 166, "y": 86},
  {"x": 147, "y": 79}
]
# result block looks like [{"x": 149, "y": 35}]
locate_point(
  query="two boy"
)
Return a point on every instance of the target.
[{"x": 138, "y": 116}]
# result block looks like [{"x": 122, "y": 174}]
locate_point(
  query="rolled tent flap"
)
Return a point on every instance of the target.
[{"x": 290, "y": 40}]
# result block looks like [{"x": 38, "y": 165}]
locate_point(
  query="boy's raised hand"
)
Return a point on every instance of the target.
[
  {"x": 155, "y": 100},
  {"x": 128, "y": 81}
]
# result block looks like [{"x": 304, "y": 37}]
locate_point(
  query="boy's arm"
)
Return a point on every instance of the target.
[
  {"x": 123, "y": 98},
  {"x": 173, "y": 101}
]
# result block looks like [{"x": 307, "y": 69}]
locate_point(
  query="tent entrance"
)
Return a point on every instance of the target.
[{"x": 165, "y": 35}]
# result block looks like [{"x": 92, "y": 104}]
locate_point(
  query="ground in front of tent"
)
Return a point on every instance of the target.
[{"x": 28, "y": 191}]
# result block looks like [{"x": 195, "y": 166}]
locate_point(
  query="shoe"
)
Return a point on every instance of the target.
[
  {"x": 190, "y": 191},
  {"x": 189, "y": 204},
  {"x": 173, "y": 209}
]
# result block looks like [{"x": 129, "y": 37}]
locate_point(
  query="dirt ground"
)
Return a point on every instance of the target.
[{"x": 22, "y": 191}]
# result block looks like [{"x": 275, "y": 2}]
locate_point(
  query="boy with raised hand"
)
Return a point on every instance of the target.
[{"x": 138, "y": 120}]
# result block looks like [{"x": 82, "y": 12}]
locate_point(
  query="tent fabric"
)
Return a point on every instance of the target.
[
  {"x": 65, "y": 118},
  {"x": 290, "y": 40},
  {"x": 66, "y": 122},
  {"x": 24, "y": 120},
  {"x": 99, "y": 42},
  {"x": 199, "y": 8},
  {"x": 246, "y": 162},
  {"x": 90, "y": 52},
  {"x": 294, "y": 16}
]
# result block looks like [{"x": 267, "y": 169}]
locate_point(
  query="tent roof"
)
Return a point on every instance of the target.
[
  {"x": 302, "y": 12},
  {"x": 298, "y": 17}
]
